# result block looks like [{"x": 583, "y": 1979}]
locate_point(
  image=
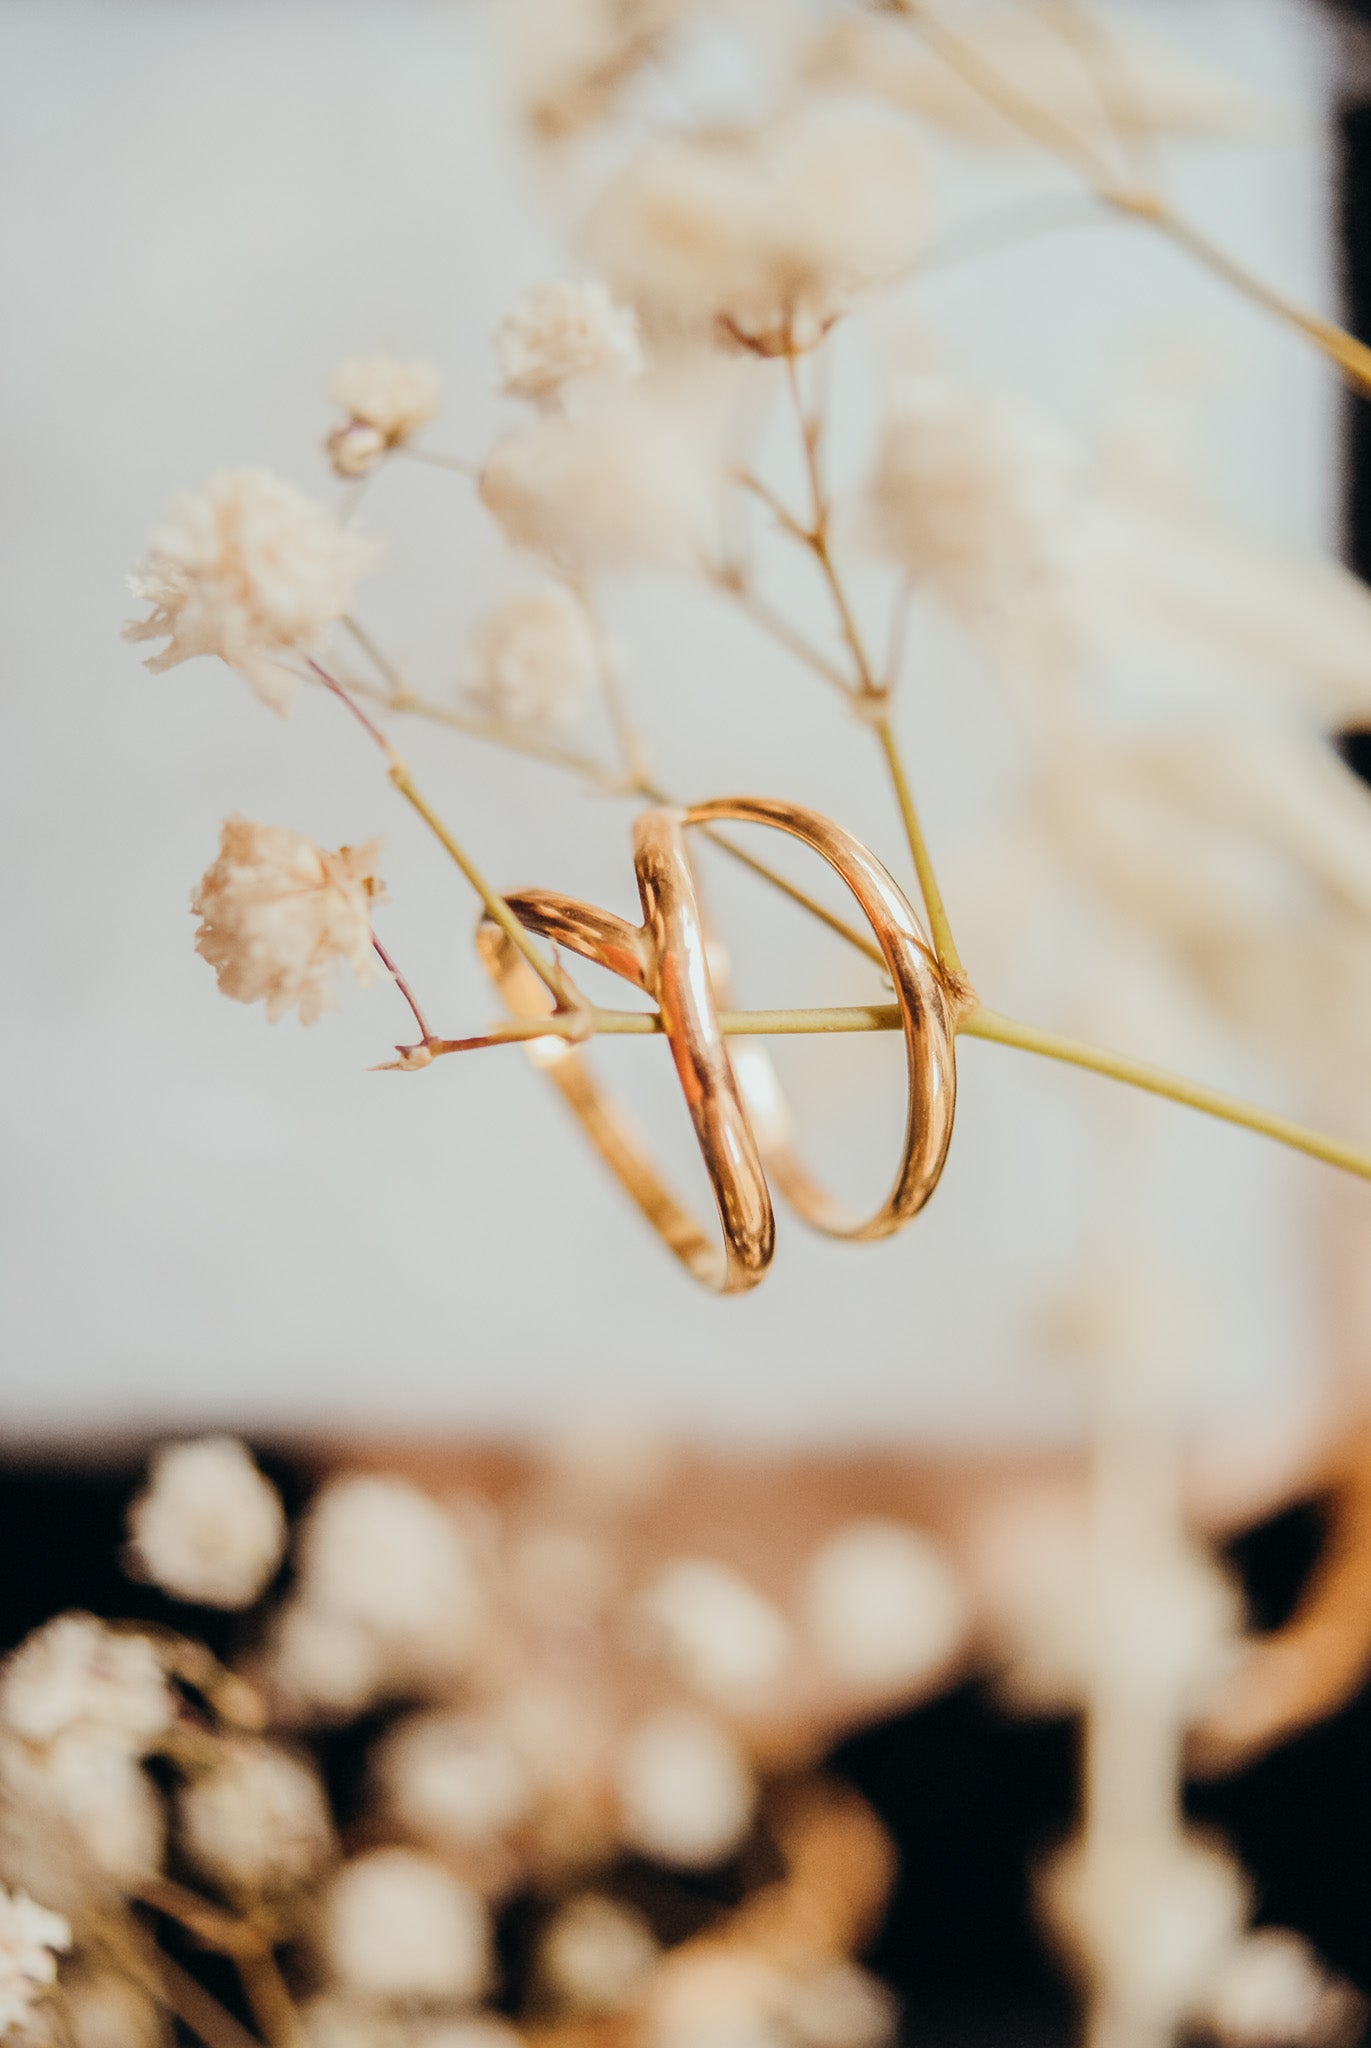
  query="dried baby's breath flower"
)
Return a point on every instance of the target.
[
  {"x": 209, "y": 1527},
  {"x": 90, "y": 1792},
  {"x": 451, "y": 1779},
  {"x": 399, "y": 1926},
  {"x": 1272, "y": 1991},
  {"x": 684, "y": 1788},
  {"x": 104, "y": 2009},
  {"x": 597, "y": 1954},
  {"x": 386, "y": 402},
  {"x": 250, "y": 570},
  {"x": 76, "y": 1676},
  {"x": 718, "y": 1632},
  {"x": 1151, "y": 1923},
  {"x": 882, "y": 1604},
  {"x": 535, "y": 660},
  {"x": 575, "y": 57},
  {"x": 762, "y": 237},
  {"x": 561, "y": 332},
  {"x": 31, "y": 1939},
  {"x": 627, "y": 481},
  {"x": 277, "y": 913},
  {"x": 1036, "y": 54},
  {"x": 843, "y": 2007},
  {"x": 723, "y": 1995},
  {"x": 256, "y": 1822},
  {"x": 324, "y": 1665},
  {"x": 970, "y": 494}
]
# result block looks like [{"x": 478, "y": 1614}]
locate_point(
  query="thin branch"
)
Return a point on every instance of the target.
[
  {"x": 943, "y": 941},
  {"x": 406, "y": 991}
]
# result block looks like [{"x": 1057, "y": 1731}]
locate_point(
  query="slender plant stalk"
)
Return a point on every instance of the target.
[
  {"x": 272, "y": 2005},
  {"x": 1351, "y": 357},
  {"x": 565, "y": 993},
  {"x": 406, "y": 991},
  {"x": 944, "y": 943}
]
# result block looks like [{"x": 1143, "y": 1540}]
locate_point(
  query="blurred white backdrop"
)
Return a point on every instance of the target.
[{"x": 201, "y": 210}]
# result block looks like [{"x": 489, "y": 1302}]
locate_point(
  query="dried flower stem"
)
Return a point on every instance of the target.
[
  {"x": 272, "y": 2005},
  {"x": 406, "y": 991},
  {"x": 1351, "y": 357},
  {"x": 563, "y": 991}
]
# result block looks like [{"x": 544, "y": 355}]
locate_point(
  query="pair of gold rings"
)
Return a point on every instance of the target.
[{"x": 741, "y": 1120}]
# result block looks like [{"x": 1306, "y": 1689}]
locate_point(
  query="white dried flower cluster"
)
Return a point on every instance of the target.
[
  {"x": 277, "y": 913},
  {"x": 76, "y": 1676},
  {"x": 256, "y": 1822},
  {"x": 398, "y": 1926},
  {"x": 970, "y": 495},
  {"x": 209, "y": 1527},
  {"x": 88, "y": 1793},
  {"x": 559, "y": 333},
  {"x": 764, "y": 236},
  {"x": 31, "y": 1939},
  {"x": 452, "y": 1779},
  {"x": 628, "y": 481},
  {"x": 883, "y": 1606},
  {"x": 721, "y": 1636},
  {"x": 389, "y": 1597},
  {"x": 104, "y": 2009},
  {"x": 1152, "y": 1923},
  {"x": 684, "y": 1788},
  {"x": 1272, "y": 1991},
  {"x": 535, "y": 659},
  {"x": 251, "y": 570},
  {"x": 386, "y": 403},
  {"x": 597, "y": 1955}
]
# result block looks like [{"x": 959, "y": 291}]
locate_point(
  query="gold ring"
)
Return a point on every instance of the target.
[
  {"x": 930, "y": 1042},
  {"x": 666, "y": 957}
]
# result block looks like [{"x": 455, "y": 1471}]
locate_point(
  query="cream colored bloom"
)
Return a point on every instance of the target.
[
  {"x": 843, "y": 2007},
  {"x": 970, "y": 494},
  {"x": 1151, "y": 1923},
  {"x": 627, "y": 481},
  {"x": 256, "y": 1822},
  {"x": 378, "y": 1554},
  {"x": 535, "y": 660},
  {"x": 454, "y": 1780},
  {"x": 685, "y": 1791},
  {"x": 31, "y": 1939},
  {"x": 250, "y": 570},
  {"x": 209, "y": 1527},
  {"x": 397, "y": 1925},
  {"x": 1272, "y": 1991},
  {"x": 76, "y": 1676},
  {"x": 883, "y": 1606},
  {"x": 107, "y": 2010},
  {"x": 386, "y": 402},
  {"x": 764, "y": 236},
  {"x": 719, "y": 1634},
  {"x": 277, "y": 913},
  {"x": 597, "y": 1955},
  {"x": 575, "y": 57},
  {"x": 86, "y": 1791},
  {"x": 560, "y": 332},
  {"x": 324, "y": 1666}
]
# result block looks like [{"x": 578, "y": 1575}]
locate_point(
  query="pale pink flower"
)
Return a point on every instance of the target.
[
  {"x": 250, "y": 570},
  {"x": 560, "y": 332},
  {"x": 535, "y": 660},
  {"x": 762, "y": 237},
  {"x": 256, "y": 1821},
  {"x": 31, "y": 1939},
  {"x": 454, "y": 1780},
  {"x": 277, "y": 913},
  {"x": 209, "y": 1527}
]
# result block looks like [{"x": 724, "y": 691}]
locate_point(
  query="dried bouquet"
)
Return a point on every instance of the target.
[{"x": 680, "y": 406}]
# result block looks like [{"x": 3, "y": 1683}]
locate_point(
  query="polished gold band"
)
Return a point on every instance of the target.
[
  {"x": 736, "y": 1103},
  {"x": 666, "y": 957}
]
